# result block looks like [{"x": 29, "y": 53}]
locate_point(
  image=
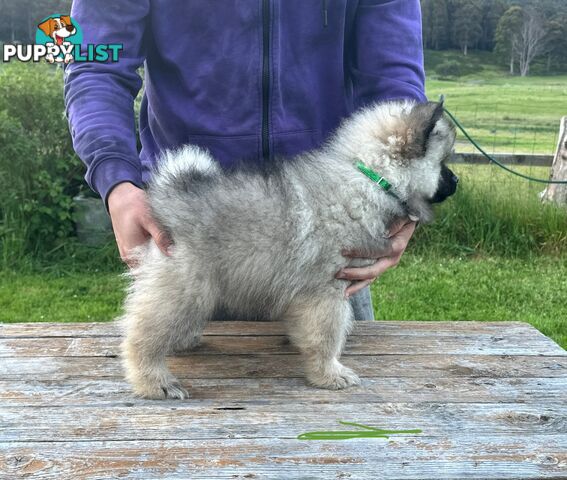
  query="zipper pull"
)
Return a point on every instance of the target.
[{"x": 325, "y": 13}]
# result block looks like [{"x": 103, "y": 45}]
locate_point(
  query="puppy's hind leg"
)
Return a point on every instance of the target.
[
  {"x": 164, "y": 307},
  {"x": 318, "y": 326}
]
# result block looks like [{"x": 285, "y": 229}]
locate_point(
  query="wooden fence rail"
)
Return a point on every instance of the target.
[{"x": 506, "y": 158}]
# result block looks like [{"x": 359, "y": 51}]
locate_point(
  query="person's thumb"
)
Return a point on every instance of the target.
[
  {"x": 396, "y": 227},
  {"x": 160, "y": 237}
]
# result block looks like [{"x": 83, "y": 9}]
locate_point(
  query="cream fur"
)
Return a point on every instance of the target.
[{"x": 269, "y": 244}]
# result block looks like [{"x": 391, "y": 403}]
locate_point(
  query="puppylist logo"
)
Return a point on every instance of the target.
[{"x": 59, "y": 39}]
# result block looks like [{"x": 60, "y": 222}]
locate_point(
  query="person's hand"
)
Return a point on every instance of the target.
[
  {"x": 360, "y": 277},
  {"x": 132, "y": 222}
]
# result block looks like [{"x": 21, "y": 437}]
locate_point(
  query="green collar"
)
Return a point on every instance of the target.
[
  {"x": 377, "y": 179},
  {"x": 382, "y": 182},
  {"x": 374, "y": 176}
]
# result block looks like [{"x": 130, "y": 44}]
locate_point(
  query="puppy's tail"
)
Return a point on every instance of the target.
[
  {"x": 177, "y": 169},
  {"x": 178, "y": 173}
]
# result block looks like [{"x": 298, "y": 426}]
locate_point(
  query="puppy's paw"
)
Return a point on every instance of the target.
[
  {"x": 170, "y": 389},
  {"x": 175, "y": 390},
  {"x": 335, "y": 378}
]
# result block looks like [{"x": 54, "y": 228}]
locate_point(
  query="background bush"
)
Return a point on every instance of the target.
[
  {"x": 449, "y": 68},
  {"x": 39, "y": 173}
]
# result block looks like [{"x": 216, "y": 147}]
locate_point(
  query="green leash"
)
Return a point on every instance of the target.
[
  {"x": 493, "y": 160},
  {"x": 387, "y": 186}
]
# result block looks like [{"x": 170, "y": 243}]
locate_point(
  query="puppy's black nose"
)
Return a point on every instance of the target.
[
  {"x": 447, "y": 185},
  {"x": 70, "y": 28}
]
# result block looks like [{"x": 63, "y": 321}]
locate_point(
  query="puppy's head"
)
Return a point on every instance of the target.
[
  {"x": 409, "y": 144},
  {"x": 428, "y": 145}
]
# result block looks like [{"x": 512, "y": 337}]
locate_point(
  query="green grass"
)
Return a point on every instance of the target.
[
  {"x": 421, "y": 288},
  {"x": 48, "y": 297},
  {"x": 495, "y": 213},
  {"x": 485, "y": 289},
  {"x": 504, "y": 113}
]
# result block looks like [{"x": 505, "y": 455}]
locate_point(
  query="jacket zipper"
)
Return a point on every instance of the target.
[{"x": 266, "y": 80}]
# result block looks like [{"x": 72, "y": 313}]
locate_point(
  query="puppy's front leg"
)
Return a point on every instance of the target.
[{"x": 318, "y": 327}]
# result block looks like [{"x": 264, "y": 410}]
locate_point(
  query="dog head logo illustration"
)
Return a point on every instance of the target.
[{"x": 58, "y": 31}]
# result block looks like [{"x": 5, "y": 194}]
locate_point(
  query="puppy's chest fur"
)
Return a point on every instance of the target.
[{"x": 346, "y": 211}]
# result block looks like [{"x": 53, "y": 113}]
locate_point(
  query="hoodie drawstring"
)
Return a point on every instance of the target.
[{"x": 325, "y": 13}]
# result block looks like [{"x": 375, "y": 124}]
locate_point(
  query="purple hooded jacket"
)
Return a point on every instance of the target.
[{"x": 246, "y": 79}]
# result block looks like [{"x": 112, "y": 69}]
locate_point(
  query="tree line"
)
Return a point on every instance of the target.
[
  {"x": 21, "y": 17},
  {"x": 521, "y": 32}
]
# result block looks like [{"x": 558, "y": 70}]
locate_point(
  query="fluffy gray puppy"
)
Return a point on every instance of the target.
[{"x": 267, "y": 242}]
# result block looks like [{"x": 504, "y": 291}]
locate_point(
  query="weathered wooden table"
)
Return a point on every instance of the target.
[{"x": 490, "y": 399}]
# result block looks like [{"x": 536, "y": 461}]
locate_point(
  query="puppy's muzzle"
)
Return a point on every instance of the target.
[{"x": 447, "y": 185}]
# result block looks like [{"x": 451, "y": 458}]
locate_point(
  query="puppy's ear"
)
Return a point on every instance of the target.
[
  {"x": 421, "y": 122},
  {"x": 47, "y": 27}
]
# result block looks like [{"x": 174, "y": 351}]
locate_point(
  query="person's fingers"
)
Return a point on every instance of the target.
[
  {"x": 406, "y": 231},
  {"x": 388, "y": 260},
  {"x": 130, "y": 233},
  {"x": 127, "y": 245},
  {"x": 125, "y": 254},
  {"x": 396, "y": 227},
  {"x": 400, "y": 233},
  {"x": 357, "y": 286},
  {"x": 122, "y": 253},
  {"x": 401, "y": 239},
  {"x": 159, "y": 236},
  {"x": 366, "y": 273},
  {"x": 354, "y": 253},
  {"x": 130, "y": 261}
]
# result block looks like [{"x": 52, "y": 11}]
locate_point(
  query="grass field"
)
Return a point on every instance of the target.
[
  {"x": 421, "y": 288},
  {"x": 487, "y": 289},
  {"x": 504, "y": 113},
  {"x": 496, "y": 214}
]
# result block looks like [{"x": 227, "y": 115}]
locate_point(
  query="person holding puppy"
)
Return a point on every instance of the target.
[{"x": 253, "y": 81}]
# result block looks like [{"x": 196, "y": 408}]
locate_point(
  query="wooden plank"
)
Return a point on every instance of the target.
[
  {"x": 458, "y": 344},
  {"x": 489, "y": 398},
  {"x": 435, "y": 458},
  {"x": 81, "y": 391},
  {"x": 282, "y": 366},
  {"x": 189, "y": 421},
  {"x": 414, "y": 328},
  {"x": 51, "y": 329}
]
